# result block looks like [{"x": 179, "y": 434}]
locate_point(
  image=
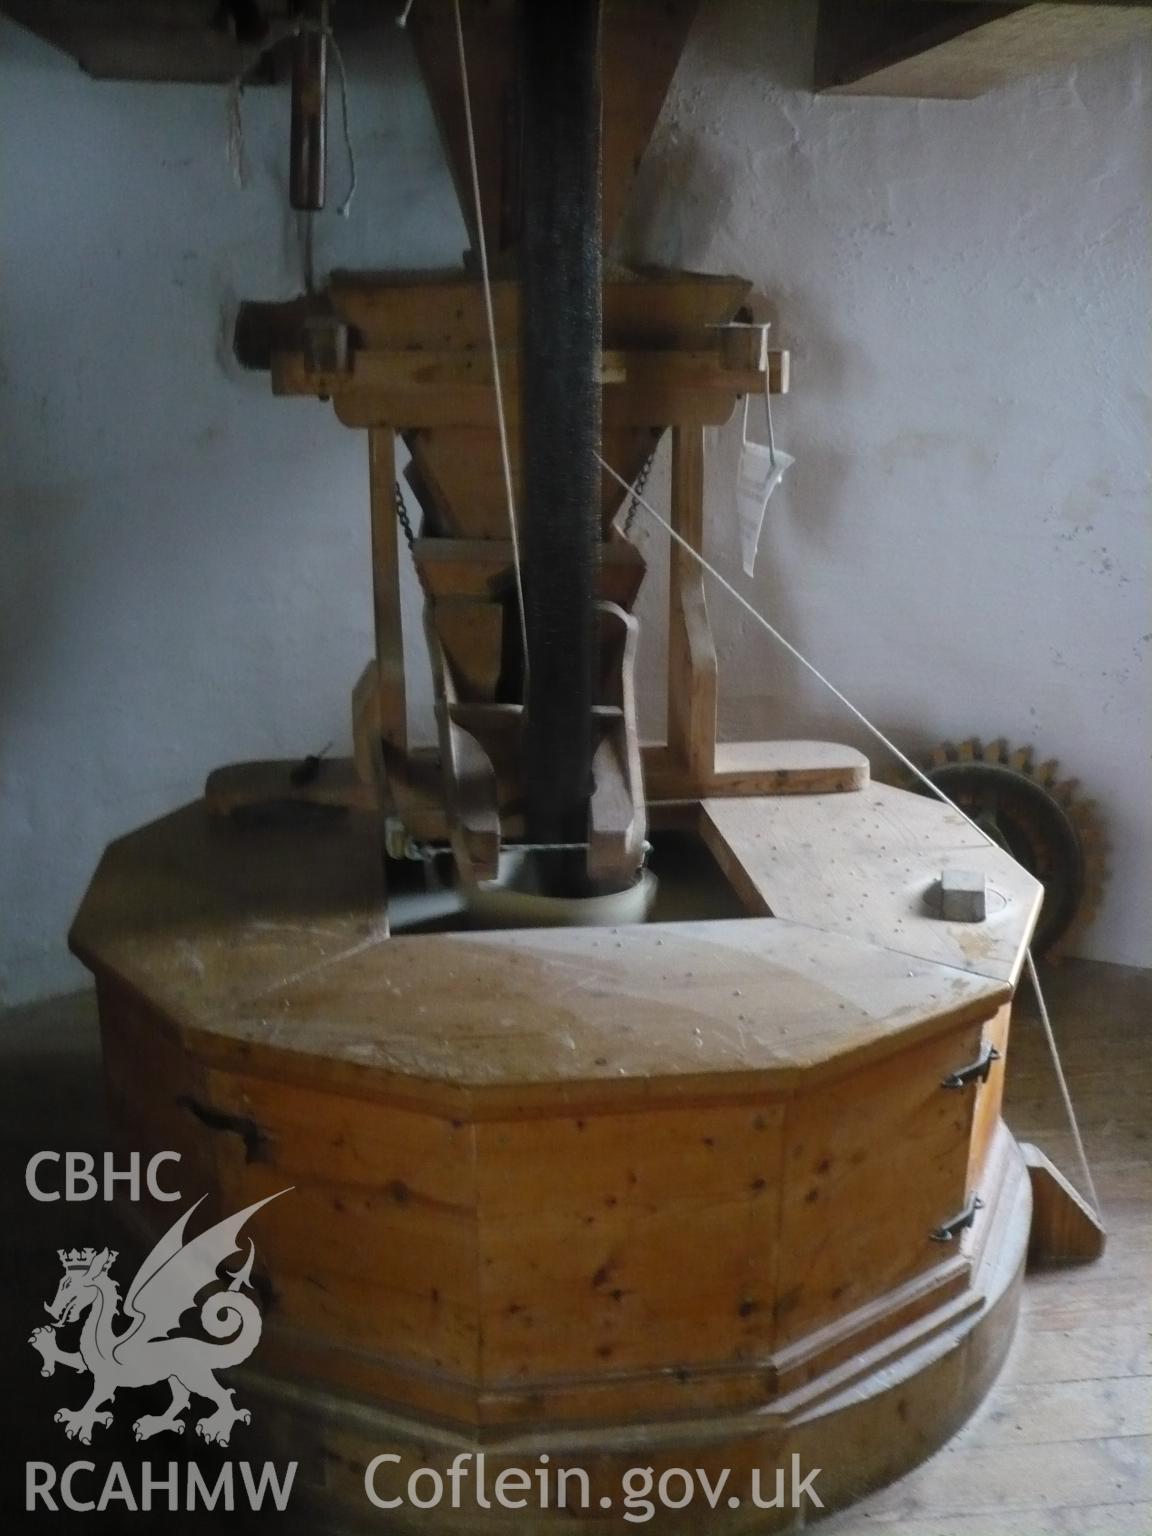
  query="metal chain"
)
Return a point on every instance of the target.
[
  {"x": 638, "y": 487},
  {"x": 404, "y": 520}
]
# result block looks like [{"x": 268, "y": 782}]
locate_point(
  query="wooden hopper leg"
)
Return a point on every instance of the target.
[{"x": 691, "y": 650}]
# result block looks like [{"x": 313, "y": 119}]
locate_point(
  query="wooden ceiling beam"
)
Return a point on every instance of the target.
[
  {"x": 183, "y": 41},
  {"x": 955, "y": 49}
]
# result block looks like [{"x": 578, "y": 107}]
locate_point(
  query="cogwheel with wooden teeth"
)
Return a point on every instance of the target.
[{"x": 1039, "y": 818}]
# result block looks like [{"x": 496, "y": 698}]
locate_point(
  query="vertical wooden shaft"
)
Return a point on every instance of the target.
[
  {"x": 691, "y": 651},
  {"x": 560, "y": 334},
  {"x": 386, "y": 593}
]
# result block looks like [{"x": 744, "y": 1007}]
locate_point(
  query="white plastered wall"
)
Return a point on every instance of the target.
[{"x": 962, "y": 546}]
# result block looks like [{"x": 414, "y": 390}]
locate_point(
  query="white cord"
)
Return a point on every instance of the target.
[
  {"x": 768, "y": 414},
  {"x": 1089, "y": 1182},
  {"x": 346, "y": 206},
  {"x": 1065, "y": 1093},
  {"x": 237, "y": 159},
  {"x": 482, "y": 245},
  {"x": 402, "y": 19}
]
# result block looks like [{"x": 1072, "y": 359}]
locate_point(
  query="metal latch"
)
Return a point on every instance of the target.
[
  {"x": 949, "y": 1231},
  {"x": 975, "y": 1072}
]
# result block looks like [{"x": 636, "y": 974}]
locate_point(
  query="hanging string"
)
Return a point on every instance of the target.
[
  {"x": 768, "y": 414},
  {"x": 345, "y": 207},
  {"x": 918, "y": 773},
  {"x": 234, "y": 142},
  {"x": 1065, "y": 1092},
  {"x": 490, "y": 315}
]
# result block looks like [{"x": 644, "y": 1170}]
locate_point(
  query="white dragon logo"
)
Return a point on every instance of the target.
[{"x": 166, "y": 1284}]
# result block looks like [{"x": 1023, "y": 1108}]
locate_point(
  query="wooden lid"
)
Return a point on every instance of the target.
[{"x": 271, "y": 943}]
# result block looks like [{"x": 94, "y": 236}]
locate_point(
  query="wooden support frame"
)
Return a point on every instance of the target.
[{"x": 673, "y": 359}]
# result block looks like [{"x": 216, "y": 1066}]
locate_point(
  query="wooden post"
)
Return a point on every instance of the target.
[
  {"x": 691, "y": 652},
  {"x": 386, "y": 593}
]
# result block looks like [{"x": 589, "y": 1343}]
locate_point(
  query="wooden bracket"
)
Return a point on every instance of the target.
[{"x": 1064, "y": 1228}]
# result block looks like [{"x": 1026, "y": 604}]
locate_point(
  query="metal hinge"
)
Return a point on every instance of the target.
[
  {"x": 975, "y": 1072},
  {"x": 949, "y": 1231}
]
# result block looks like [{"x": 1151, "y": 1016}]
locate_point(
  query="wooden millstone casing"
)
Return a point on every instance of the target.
[{"x": 663, "y": 1195}]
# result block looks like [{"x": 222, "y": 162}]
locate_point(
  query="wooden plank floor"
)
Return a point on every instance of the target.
[{"x": 1061, "y": 1446}]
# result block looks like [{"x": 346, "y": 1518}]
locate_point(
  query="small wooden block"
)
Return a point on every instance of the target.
[
  {"x": 744, "y": 345},
  {"x": 741, "y": 768},
  {"x": 1064, "y": 1228},
  {"x": 325, "y": 347},
  {"x": 963, "y": 896}
]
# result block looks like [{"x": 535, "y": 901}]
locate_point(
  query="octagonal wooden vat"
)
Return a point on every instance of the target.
[{"x": 692, "y": 1193}]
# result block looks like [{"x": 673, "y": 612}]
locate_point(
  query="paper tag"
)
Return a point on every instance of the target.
[{"x": 759, "y": 474}]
